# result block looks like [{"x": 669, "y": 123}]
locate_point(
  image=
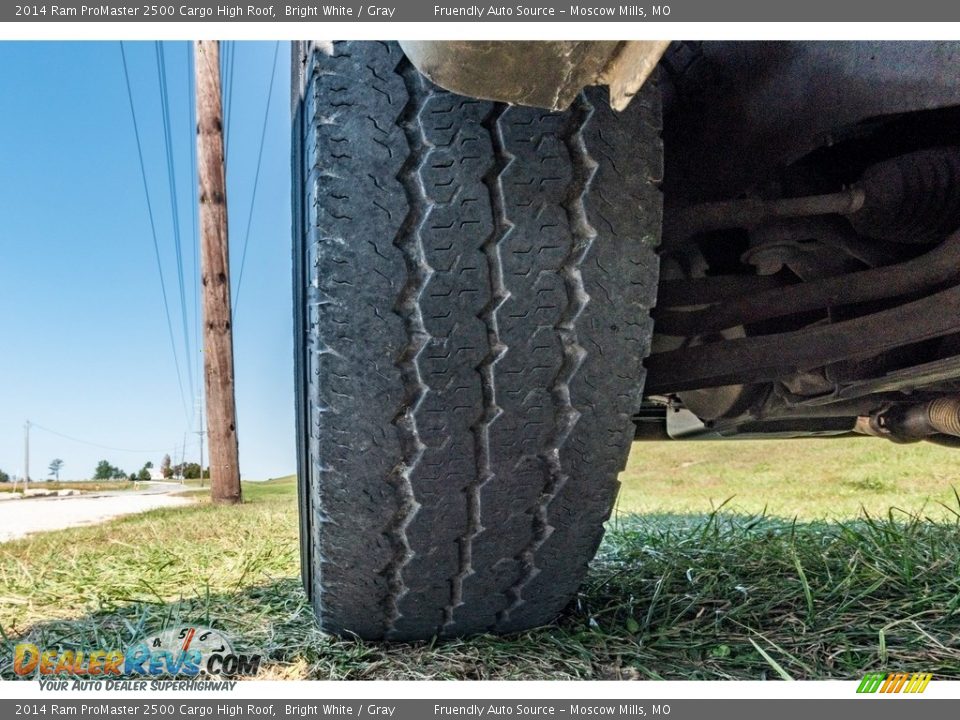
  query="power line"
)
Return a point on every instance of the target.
[
  {"x": 224, "y": 61},
  {"x": 230, "y": 51},
  {"x": 174, "y": 203},
  {"x": 153, "y": 226},
  {"x": 98, "y": 445},
  {"x": 194, "y": 202},
  {"x": 256, "y": 181}
]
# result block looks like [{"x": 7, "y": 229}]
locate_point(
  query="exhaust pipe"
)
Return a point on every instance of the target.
[{"x": 910, "y": 423}]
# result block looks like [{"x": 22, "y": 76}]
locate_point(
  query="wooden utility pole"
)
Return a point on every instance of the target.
[
  {"x": 215, "y": 279},
  {"x": 26, "y": 456}
]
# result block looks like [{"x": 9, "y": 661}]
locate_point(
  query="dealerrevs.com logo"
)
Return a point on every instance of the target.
[{"x": 184, "y": 652}]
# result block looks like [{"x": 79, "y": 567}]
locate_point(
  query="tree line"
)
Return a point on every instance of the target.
[
  {"x": 187, "y": 470},
  {"x": 105, "y": 470}
]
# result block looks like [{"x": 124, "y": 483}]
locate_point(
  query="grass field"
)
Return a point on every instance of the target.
[
  {"x": 681, "y": 592},
  {"x": 808, "y": 479},
  {"x": 82, "y": 485}
]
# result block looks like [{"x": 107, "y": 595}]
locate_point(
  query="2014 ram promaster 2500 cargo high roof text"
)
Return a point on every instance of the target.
[{"x": 153, "y": 12}]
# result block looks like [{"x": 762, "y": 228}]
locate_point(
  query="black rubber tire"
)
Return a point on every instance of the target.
[{"x": 473, "y": 286}]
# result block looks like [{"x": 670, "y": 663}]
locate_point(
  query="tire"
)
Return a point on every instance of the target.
[{"x": 473, "y": 284}]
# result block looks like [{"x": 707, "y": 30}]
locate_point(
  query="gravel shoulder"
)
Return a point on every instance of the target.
[{"x": 19, "y": 518}]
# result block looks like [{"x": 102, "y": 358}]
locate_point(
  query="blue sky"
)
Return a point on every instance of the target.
[{"x": 84, "y": 345}]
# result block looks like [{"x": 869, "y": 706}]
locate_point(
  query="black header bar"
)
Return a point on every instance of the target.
[{"x": 527, "y": 11}]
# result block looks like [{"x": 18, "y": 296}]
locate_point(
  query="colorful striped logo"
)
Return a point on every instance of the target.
[{"x": 894, "y": 683}]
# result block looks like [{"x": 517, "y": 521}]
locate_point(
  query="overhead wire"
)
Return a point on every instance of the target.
[
  {"x": 174, "y": 204},
  {"x": 256, "y": 181},
  {"x": 153, "y": 227},
  {"x": 195, "y": 227},
  {"x": 230, "y": 50},
  {"x": 99, "y": 445}
]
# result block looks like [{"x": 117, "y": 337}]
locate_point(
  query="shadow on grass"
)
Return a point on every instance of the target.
[{"x": 668, "y": 597}]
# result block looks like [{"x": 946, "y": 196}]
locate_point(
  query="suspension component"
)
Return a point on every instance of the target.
[
  {"x": 913, "y": 198},
  {"x": 750, "y": 212},
  {"x": 927, "y": 271},
  {"x": 771, "y": 357}
]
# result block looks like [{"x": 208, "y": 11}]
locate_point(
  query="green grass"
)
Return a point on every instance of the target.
[
  {"x": 681, "y": 593},
  {"x": 809, "y": 479}
]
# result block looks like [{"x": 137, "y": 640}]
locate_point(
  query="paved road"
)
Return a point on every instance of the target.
[{"x": 21, "y": 517}]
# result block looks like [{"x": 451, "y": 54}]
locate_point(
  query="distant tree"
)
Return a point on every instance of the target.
[
  {"x": 144, "y": 473},
  {"x": 56, "y": 466},
  {"x": 118, "y": 474},
  {"x": 165, "y": 468},
  {"x": 191, "y": 471},
  {"x": 133, "y": 477},
  {"x": 104, "y": 471},
  {"x": 4, "y": 478}
]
